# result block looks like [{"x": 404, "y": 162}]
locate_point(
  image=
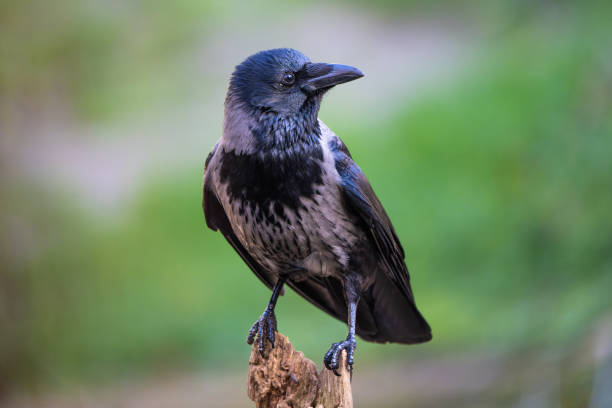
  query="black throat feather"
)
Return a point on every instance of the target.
[
  {"x": 285, "y": 167},
  {"x": 279, "y": 135}
]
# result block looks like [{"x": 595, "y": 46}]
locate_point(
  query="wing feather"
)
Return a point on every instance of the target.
[{"x": 362, "y": 200}]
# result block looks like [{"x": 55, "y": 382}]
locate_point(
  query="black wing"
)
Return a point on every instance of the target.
[
  {"x": 362, "y": 200},
  {"x": 390, "y": 299}
]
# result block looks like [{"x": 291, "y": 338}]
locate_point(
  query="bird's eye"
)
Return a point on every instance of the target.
[{"x": 288, "y": 79}]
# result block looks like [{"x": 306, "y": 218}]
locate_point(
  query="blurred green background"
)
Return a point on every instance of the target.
[{"x": 485, "y": 127}]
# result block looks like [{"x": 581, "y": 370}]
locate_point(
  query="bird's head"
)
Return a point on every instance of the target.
[{"x": 282, "y": 80}]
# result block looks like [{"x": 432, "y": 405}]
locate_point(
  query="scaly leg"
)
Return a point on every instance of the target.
[
  {"x": 266, "y": 325},
  {"x": 332, "y": 357}
]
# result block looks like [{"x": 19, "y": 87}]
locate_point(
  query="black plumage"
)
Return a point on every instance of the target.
[{"x": 286, "y": 194}]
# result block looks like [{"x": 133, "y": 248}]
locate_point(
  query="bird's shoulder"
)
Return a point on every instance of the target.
[
  {"x": 351, "y": 177},
  {"x": 209, "y": 196},
  {"x": 332, "y": 142},
  {"x": 210, "y": 156},
  {"x": 212, "y": 166}
]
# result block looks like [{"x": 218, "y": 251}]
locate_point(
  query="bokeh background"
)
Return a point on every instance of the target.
[{"x": 484, "y": 126}]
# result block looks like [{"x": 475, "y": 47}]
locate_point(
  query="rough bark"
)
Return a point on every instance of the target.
[{"x": 285, "y": 378}]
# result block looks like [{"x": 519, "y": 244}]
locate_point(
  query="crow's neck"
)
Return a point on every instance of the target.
[{"x": 284, "y": 135}]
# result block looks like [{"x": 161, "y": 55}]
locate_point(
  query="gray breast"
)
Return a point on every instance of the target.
[{"x": 315, "y": 238}]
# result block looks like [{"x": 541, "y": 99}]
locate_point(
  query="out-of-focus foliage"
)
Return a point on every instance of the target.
[
  {"x": 500, "y": 187},
  {"x": 97, "y": 53}
]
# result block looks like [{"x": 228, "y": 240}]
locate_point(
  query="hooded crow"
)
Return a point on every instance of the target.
[{"x": 286, "y": 194}]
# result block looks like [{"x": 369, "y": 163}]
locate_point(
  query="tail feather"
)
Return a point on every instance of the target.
[
  {"x": 384, "y": 313},
  {"x": 395, "y": 317}
]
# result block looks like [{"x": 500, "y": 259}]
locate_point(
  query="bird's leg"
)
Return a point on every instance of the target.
[
  {"x": 266, "y": 325},
  {"x": 332, "y": 357}
]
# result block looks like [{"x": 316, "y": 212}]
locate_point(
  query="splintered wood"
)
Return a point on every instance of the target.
[{"x": 284, "y": 378}]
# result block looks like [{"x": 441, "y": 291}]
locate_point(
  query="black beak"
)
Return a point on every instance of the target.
[{"x": 323, "y": 76}]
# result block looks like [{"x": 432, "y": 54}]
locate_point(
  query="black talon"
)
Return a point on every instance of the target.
[
  {"x": 272, "y": 329},
  {"x": 332, "y": 357},
  {"x": 265, "y": 327},
  {"x": 252, "y": 333},
  {"x": 328, "y": 355}
]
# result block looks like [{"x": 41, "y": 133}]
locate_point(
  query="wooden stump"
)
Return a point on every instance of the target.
[{"x": 284, "y": 378}]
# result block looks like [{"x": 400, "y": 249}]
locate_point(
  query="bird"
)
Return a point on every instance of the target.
[{"x": 286, "y": 194}]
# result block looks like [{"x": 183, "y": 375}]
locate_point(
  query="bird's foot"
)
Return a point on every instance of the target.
[
  {"x": 262, "y": 329},
  {"x": 332, "y": 357}
]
